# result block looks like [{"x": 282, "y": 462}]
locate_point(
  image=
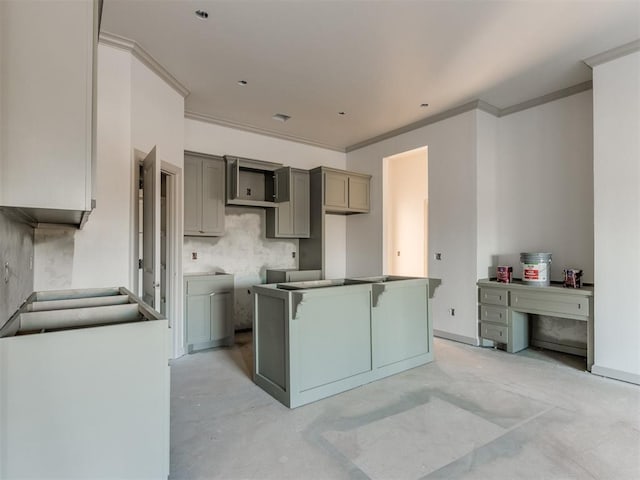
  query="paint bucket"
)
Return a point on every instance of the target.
[{"x": 536, "y": 268}]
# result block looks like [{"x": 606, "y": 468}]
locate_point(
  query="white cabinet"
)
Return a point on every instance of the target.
[
  {"x": 203, "y": 195},
  {"x": 47, "y": 123}
]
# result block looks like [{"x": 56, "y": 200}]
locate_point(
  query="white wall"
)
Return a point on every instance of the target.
[
  {"x": 544, "y": 180},
  {"x": 480, "y": 212},
  {"x": 244, "y": 250},
  {"x": 136, "y": 110},
  {"x": 488, "y": 201},
  {"x": 452, "y": 217},
  {"x": 98, "y": 255},
  {"x": 616, "y": 92}
]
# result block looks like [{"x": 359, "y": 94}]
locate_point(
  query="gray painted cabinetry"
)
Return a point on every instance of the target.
[
  {"x": 504, "y": 307},
  {"x": 345, "y": 192},
  {"x": 290, "y": 219},
  {"x": 315, "y": 339},
  {"x": 286, "y": 275},
  {"x": 208, "y": 310},
  {"x": 333, "y": 191},
  {"x": 203, "y": 195},
  {"x": 256, "y": 183},
  {"x": 47, "y": 114}
]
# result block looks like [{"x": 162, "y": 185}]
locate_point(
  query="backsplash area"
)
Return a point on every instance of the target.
[
  {"x": 243, "y": 251},
  {"x": 16, "y": 257}
]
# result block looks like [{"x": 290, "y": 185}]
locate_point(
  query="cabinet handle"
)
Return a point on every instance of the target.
[{"x": 275, "y": 186}]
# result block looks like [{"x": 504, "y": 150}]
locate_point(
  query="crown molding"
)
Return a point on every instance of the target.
[
  {"x": 424, "y": 122},
  {"x": 203, "y": 117},
  {"x": 145, "y": 57},
  {"x": 476, "y": 105},
  {"x": 612, "y": 54},
  {"x": 549, "y": 97}
]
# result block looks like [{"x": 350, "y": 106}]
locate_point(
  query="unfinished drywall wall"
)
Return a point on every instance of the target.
[
  {"x": 243, "y": 251},
  {"x": 16, "y": 260}
]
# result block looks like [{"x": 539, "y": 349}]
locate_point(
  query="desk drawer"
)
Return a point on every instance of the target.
[
  {"x": 549, "y": 303},
  {"x": 494, "y": 296},
  {"x": 497, "y": 333},
  {"x": 493, "y": 313}
]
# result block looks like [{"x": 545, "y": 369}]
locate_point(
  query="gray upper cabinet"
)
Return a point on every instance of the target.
[
  {"x": 47, "y": 114},
  {"x": 254, "y": 183},
  {"x": 345, "y": 192},
  {"x": 290, "y": 219},
  {"x": 203, "y": 195}
]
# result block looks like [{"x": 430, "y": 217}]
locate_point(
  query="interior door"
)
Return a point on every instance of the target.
[{"x": 151, "y": 231}]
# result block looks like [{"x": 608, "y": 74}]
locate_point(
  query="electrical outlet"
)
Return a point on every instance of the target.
[
  {"x": 398, "y": 252},
  {"x": 438, "y": 256},
  {"x": 6, "y": 272},
  {"x": 452, "y": 312},
  {"x": 293, "y": 254},
  {"x": 194, "y": 255}
]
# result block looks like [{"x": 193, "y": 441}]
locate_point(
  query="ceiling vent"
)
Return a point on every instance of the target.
[{"x": 281, "y": 117}]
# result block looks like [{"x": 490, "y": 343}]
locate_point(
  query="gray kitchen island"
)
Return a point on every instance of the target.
[{"x": 319, "y": 338}]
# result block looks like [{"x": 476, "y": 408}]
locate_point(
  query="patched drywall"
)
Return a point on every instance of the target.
[
  {"x": 243, "y": 251},
  {"x": 53, "y": 263},
  {"x": 16, "y": 260}
]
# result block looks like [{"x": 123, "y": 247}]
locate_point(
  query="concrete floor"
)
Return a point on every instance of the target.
[{"x": 472, "y": 413}]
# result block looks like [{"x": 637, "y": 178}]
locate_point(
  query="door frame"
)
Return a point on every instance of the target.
[
  {"x": 386, "y": 210},
  {"x": 174, "y": 208}
]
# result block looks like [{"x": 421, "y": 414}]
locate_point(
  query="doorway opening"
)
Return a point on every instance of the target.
[
  {"x": 156, "y": 217},
  {"x": 405, "y": 193}
]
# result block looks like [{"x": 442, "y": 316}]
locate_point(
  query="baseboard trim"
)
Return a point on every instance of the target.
[
  {"x": 455, "y": 337},
  {"x": 616, "y": 374}
]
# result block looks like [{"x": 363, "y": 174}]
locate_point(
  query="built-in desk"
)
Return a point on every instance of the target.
[{"x": 503, "y": 309}]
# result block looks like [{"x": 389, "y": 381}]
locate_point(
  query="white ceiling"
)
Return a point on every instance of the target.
[{"x": 375, "y": 60}]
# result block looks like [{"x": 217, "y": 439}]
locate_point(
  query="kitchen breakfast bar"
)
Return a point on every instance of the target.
[{"x": 319, "y": 338}]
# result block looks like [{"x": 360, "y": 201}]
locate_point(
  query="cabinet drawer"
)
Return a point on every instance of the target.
[
  {"x": 497, "y": 333},
  {"x": 494, "y": 296},
  {"x": 549, "y": 303},
  {"x": 491, "y": 313},
  {"x": 206, "y": 286}
]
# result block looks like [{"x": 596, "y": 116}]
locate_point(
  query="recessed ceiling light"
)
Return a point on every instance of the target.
[
  {"x": 281, "y": 117},
  {"x": 341, "y": 113},
  {"x": 424, "y": 105},
  {"x": 202, "y": 14},
  {"x": 242, "y": 83}
]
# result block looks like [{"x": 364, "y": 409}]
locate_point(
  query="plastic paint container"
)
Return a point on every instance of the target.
[{"x": 536, "y": 268}]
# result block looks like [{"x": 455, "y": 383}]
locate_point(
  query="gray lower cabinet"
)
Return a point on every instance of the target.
[
  {"x": 203, "y": 195},
  {"x": 504, "y": 309},
  {"x": 208, "y": 311},
  {"x": 290, "y": 219},
  {"x": 287, "y": 275},
  {"x": 310, "y": 343}
]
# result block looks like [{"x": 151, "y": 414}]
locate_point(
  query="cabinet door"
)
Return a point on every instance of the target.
[
  {"x": 47, "y": 56},
  {"x": 212, "y": 206},
  {"x": 336, "y": 190},
  {"x": 282, "y": 185},
  {"x": 359, "y": 193},
  {"x": 301, "y": 204},
  {"x": 192, "y": 195},
  {"x": 198, "y": 319},
  {"x": 284, "y": 219},
  {"x": 221, "y": 320}
]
